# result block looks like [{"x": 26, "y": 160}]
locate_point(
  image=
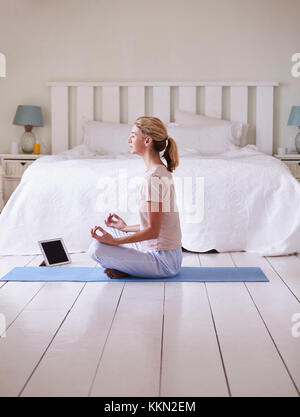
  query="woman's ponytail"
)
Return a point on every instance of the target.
[{"x": 171, "y": 155}]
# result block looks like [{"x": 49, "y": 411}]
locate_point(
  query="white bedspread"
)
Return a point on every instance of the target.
[{"x": 251, "y": 202}]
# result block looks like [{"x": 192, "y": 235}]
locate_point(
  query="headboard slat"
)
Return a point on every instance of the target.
[
  {"x": 111, "y": 104},
  {"x": 59, "y": 119},
  {"x": 136, "y": 103},
  {"x": 264, "y": 119},
  {"x": 85, "y": 109},
  {"x": 213, "y": 101},
  {"x": 161, "y": 103},
  {"x": 239, "y": 104},
  {"x": 187, "y": 99}
]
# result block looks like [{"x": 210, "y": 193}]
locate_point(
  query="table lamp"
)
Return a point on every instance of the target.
[
  {"x": 28, "y": 116},
  {"x": 294, "y": 120}
]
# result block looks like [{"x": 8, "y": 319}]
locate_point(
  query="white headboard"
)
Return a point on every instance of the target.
[{"x": 163, "y": 100}]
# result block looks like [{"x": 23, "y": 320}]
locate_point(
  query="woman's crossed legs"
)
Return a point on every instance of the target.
[{"x": 128, "y": 259}]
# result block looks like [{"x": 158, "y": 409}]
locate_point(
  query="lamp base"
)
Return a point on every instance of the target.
[
  {"x": 27, "y": 142},
  {"x": 297, "y": 141}
]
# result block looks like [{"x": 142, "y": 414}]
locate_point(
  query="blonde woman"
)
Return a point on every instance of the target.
[{"x": 154, "y": 250}]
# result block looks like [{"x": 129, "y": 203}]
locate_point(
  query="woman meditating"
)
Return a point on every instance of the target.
[{"x": 155, "y": 249}]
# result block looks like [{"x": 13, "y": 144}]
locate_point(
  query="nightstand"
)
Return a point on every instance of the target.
[
  {"x": 292, "y": 160},
  {"x": 12, "y": 168}
]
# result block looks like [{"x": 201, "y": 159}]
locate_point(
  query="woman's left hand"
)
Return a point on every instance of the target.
[{"x": 105, "y": 238}]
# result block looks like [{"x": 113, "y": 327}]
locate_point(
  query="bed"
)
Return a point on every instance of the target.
[{"x": 242, "y": 199}]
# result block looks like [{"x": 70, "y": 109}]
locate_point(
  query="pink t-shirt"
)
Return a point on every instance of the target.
[{"x": 158, "y": 186}]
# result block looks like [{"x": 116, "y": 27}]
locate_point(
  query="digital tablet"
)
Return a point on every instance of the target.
[{"x": 54, "y": 252}]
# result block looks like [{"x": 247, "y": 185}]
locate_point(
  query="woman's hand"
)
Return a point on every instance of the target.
[
  {"x": 105, "y": 238},
  {"x": 117, "y": 224}
]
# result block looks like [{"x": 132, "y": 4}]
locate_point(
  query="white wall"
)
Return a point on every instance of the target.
[{"x": 129, "y": 40}]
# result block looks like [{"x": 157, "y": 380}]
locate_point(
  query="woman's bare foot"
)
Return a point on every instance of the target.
[{"x": 114, "y": 273}]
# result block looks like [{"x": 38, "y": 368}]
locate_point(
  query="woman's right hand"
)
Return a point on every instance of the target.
[{"x": 117, "y": 224}]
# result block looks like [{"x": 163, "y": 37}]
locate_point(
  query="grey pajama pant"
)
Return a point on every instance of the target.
[{"x": 131, "y": 259}]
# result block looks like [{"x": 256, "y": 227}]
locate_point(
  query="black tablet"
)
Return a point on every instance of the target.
[{"x": 54, "y": 252}]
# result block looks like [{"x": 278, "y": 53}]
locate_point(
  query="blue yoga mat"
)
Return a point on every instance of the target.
[{"x": 95, "y": 274}]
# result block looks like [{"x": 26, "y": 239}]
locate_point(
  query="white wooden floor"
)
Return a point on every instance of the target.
[{"x": 152, "y": 339}]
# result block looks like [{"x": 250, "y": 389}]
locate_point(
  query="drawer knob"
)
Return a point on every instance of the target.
[{"x": 23, "y": 163}]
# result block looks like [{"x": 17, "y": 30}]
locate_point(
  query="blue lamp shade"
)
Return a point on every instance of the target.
[
  {"x": 294, "y": 119},
  {"x": 28, "y": 115}
]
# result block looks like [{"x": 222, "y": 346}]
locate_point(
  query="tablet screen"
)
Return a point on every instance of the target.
[{"x": 55, "y": 252}]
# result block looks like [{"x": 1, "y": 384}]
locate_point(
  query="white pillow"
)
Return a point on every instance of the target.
[
  {"x": 211, "y": 140},
  {"x": 239, "y": 130},
  {"x": 107, "y": 138}
]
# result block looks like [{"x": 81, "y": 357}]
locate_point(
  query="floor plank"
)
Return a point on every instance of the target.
[
  {"x": 21, "y": 349},
  {"x": 81, "y": 259},
  {"x": 191, "y": 363},
  {"x": 130, "y": 365},
  {"x": 277, "y": 305},
  {"x": 35, "y": 261},
  {"x": 56, "y": 296},
  {"x": 9, "y": 262},
  {"x": 252, "y": 363},
  {"x": 14, "y": 297},
  {"x": 190, "y": 259},
  {"x": 288, "y": 268},
  {"x": 70, "y": 363},
  {"x": 29, "y": 336},
  {"x": 215, "y": 260}
]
